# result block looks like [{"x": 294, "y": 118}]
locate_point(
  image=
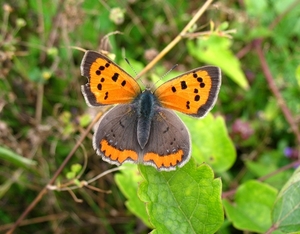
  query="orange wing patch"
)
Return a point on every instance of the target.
[
  {"x": 193, "y": 93},
  {"x": 115, "y": 155},
  {"x": 108, "y": 83},
  {"x": 167, "y": 161}
]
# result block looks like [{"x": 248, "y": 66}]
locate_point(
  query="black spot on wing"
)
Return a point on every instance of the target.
[
  {"x": 183, "y": 84},
  {"x": 115, "y": 77}
]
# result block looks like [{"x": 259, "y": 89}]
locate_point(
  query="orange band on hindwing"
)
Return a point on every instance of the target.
[
  {"x": 165, "y": 160},
  {"x": 115, "y": 154}
]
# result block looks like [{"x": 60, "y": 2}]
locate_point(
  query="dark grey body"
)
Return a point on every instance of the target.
[{"x": 133, "y": 126}]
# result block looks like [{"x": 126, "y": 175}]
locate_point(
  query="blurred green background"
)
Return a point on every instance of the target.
[{"x": 43, "y": 113}]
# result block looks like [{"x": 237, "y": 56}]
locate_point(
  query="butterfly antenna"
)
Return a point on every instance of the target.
[
  {"x": 176, "y": 65},
  {"x": 127, "y": 61},
  {"x": 167, "y": 73}
]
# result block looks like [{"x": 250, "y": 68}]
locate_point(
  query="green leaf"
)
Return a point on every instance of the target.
[
  {"x": 127, "y": 181},
  {"x": 223, "y": 26},
  {"x": 76, "y": 168},
  {"x": 84, "y": 120},
  {"x": 256, "y": 8},
  {"x": 187, "y": 200},
  {"x": 16, "y": 159},
  {"x": 211, "y": 142},
  {"x": 215, "y": 50},
  {"x": 70, "y": 175},
  {"x": 298, "y": 75},
  {"x": 286, "y": 210},
  {"x": 252, "y": 206}
]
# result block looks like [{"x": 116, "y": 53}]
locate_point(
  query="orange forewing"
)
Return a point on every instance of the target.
[
  {"x": 108, "y": 83},
  {"x": 193, "y": 93}
]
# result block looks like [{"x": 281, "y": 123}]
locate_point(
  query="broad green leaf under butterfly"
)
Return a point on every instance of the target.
[
  {"x": 215, "y": 50},
  {"x": 252, "y": 206},
  {"x": 127, "y": 181},
  {"x": 286, "y": 212},
  {"x": 211, "y": 142},
  {"x": 187, "y": 200}
]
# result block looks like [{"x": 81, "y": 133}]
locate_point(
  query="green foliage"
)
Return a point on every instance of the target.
[
  {"x": 75, "y": 169},
  {"x": 286, "y": 209},
  {"x": 216, "y": 50},
  {"x": 266, "y": 164},
  {"x": 252, "y": 206},
  {"x": 187, "y": 200},
  {"x": 128, "y": 181},
  {"x": 210, "y": 142},
  {"x": 43, "y": 114}
]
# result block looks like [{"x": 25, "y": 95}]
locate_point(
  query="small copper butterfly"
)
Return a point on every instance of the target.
[{"x": 142, "y": 128}]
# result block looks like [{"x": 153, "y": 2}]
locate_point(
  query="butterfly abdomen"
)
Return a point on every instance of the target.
[{"x": 145, "y": 106}]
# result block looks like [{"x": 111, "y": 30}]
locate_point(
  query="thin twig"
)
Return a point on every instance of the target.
[
  {"x": 59, "y": 170},
  {"x": 176, "y": 39},
  {"x": 283, "y": 14},
  {"x": 282, "y": 104},
  {"x": 84, "y": 183},
  {"x": 284, "y": 168},
  {"x": 39, "y": 103},
  {"x": 37, "y": 220},
  {"x": 263, "y": 178},
  {"x": 257, "y": 44}
]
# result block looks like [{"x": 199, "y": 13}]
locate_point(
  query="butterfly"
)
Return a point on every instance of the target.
[{"x": 142, "y": 127}]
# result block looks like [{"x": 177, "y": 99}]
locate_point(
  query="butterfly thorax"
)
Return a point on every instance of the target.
[{"x": 146, "y": 106}]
